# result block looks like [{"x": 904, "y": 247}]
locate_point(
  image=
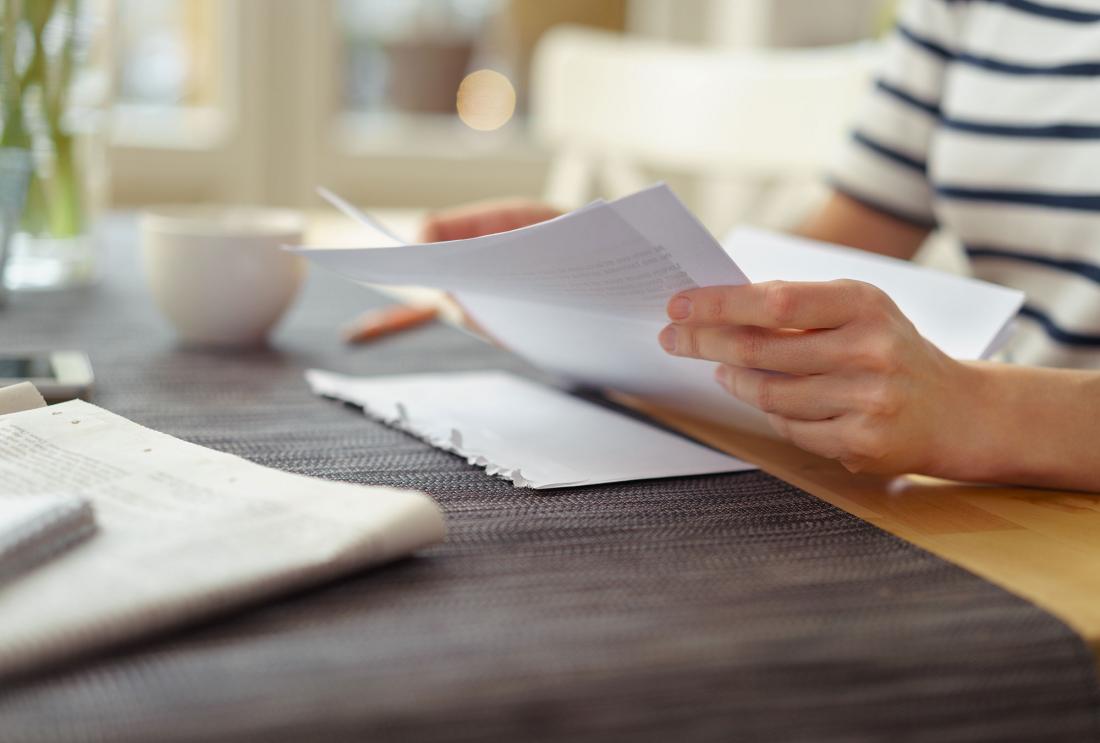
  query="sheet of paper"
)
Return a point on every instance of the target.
[
  {"x": 184, "y": 531},
  {"x": 533, "y": 435},
  {"x": 609, "y": 352},
  {"x": 964, "y": 317},
  {"x": 535, "y": 296},
  {"x": 968, "y": 319},
  {"x": 592, "y": 258},
  {"x": 381, "y": 236}
]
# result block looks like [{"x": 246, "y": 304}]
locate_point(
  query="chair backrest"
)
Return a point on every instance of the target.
[{"x": 606, "y": 103}]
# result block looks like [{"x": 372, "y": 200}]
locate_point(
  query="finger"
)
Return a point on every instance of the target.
[
  {"x": 812, "y": 398},
  {"x": 485, "y": 218},
  {"x": 819, "y": 437},
  {"x": 462, "y": 223},
  {"x": 790, "y": 351},
  {"x": 775, "y": 304}
]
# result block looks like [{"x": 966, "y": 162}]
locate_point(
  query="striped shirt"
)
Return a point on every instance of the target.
[{"x": 985, "y": 121}]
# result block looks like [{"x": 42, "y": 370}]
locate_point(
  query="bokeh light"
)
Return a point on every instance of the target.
[{"x": 486, "y": 100}]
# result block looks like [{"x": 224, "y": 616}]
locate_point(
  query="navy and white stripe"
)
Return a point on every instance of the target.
[
  {"x": 985, "y": 121},
  {"x": 1063, "y": 12}
]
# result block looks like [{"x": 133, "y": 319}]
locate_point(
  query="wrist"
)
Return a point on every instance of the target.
[
  {"x": 973, "y": 439},
  {"x": 1019, "y": 425},
  {"x": 1012, "y": 424}
]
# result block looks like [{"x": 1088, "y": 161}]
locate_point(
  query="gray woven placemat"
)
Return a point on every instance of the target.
[{"x": 714, "y": 608}]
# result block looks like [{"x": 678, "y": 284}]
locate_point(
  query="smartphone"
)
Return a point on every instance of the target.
[{"x": 58, "y": 375}]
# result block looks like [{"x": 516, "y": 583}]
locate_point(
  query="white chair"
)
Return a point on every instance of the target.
[{"x": 754, "y": 127}]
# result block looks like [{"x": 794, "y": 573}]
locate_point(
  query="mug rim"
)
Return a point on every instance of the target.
[{"x": 221, "y": 220}]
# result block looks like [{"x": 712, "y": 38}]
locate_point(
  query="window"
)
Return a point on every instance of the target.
[
  {"x": 410, "y": 55},
  {"x": 261, "y": 100},
  {"x": 166, "y": 53}
]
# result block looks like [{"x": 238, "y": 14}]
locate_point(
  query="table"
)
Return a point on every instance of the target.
[
  {"x": 1041, "y": 544},
  {"x": 708, "y": 608}
]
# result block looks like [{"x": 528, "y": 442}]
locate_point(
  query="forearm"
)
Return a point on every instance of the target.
[
  {"x": 1028, "y": 426},
  {"x": 845, "y": 221}
]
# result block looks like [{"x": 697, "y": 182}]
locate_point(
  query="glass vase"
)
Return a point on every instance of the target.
[{"x": 47, "y": 110}]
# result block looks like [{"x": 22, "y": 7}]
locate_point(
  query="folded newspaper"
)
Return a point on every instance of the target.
[
  {"x": 584, "y": 295},
  {"x": 184, "y": 531}
]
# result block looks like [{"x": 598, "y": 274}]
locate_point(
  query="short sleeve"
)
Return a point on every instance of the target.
[{"x": 885, "y": 161}]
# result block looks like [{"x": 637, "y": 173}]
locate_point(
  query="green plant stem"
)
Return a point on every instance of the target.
[
  {"x": 55, "y": 200},
  {"x": 63, "y": 191},
  {"x": 65, "y": 196},
  {"x": 15, "y": 131},
  {"x": 55, "y": 100}
]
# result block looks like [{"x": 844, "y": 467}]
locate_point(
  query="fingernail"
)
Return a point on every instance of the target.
[
  {"x": 667, "y": 339},
  {"x": 721, "y": 374},
  {"x": 679, "y": 308}
]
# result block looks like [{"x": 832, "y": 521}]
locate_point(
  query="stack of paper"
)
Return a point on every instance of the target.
[
  {"x": 966, "y": 318},
  {"x": 184, "y": 531},
  {"x": 584, "y": 295},
  {"x": 533, "y": 435}
]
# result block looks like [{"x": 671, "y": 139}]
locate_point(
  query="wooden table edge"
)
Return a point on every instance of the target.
[{"x": 1031, "y": 542}]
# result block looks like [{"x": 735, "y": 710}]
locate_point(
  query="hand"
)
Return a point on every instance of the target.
[
  {"x": 858, "y": 383},
  {"x": 484, "y": 218}
]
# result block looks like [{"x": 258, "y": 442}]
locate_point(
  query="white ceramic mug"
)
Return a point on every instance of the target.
[{"x": 219, "y": 274}]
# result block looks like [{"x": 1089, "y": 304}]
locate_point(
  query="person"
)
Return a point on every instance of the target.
[{"x": 982, "y": 122}]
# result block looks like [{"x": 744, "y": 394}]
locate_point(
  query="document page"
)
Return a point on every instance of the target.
[
  {"x": 584, "y": 295},
  {"x": 607, "y": 352},
  {"x": 966, "y": 318},
  {"x": 591, "y": 259},
  {"x": 184, "y": 531},
  {"x": 531, "y": 434}
]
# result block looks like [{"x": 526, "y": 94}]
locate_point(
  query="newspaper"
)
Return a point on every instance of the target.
[{"x": 184, "y": 531}]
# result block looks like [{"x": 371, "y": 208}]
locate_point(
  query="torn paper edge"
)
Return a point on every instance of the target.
[{"x": 451, "y": 441}]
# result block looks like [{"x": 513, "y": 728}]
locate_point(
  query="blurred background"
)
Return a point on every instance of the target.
[
  {"x": 258, "y": 100},
  {"x": 423, "y": 103}
]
